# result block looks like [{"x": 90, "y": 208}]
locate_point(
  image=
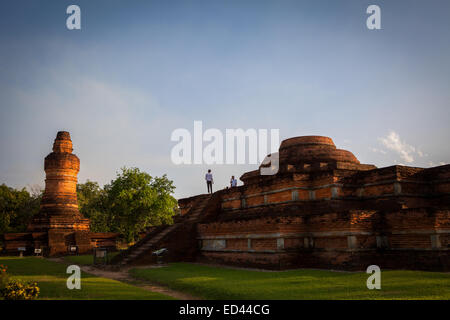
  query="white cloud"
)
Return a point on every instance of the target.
[
  {"x": 377, "y": 150},
  {"x": 393, "y": 142}
]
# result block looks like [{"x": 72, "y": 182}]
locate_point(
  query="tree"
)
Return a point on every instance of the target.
[
  {"x": 136, "y": 201},
  {"x": 128, "y": 205},
  {"x": 17, "y": 207},
  {"x": 88, "y": 195},
  {"x": 91, "y": 203}
]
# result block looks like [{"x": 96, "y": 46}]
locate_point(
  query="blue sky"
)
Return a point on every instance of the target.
[{"x": 137, "y": 70}]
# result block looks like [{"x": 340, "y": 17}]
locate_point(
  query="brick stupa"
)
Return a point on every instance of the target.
[
  {"x": 59, "y": 216},
  {"x": 59, "y": 205},
  {"x": 59, "y": 225}
]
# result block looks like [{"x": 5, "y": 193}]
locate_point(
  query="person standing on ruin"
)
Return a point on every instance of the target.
[
  {"x": 209, "y": 181},
  {"x": 233, "y": 182}
]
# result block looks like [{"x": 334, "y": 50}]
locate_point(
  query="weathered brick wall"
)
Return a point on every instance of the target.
[
  {"x": 333, "y": 187},
  {"x": 187, "y": 203},
  {"x": 325, "y": 209},
  {"x": 237, "y": 244},
  {"x": 416, "y": 241},
  {"x": 355, "y": 237},
  {"x": 331, "y": 243}
]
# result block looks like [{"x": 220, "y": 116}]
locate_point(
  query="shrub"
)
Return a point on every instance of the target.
[
  {"x": 18, "y": 290},
  {"x": 4, "y": 277}
]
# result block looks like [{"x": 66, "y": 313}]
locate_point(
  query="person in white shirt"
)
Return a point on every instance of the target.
[
  {"x": 209, "y": 181},
  {"x": 233, "y": 182}
]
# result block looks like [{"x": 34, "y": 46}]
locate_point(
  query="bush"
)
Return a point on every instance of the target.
[
  {"x": 4, "y": 277},
  {"x": 17, "y": 290}
]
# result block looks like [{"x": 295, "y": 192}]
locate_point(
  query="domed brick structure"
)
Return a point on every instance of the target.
[
  {"x": 312, "y": 149},
  {"x": 308, "y": 154},
  {"x": 322, "y": 208}
]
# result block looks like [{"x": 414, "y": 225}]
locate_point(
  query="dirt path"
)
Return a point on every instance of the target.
[{"x": 123, "y": 275}]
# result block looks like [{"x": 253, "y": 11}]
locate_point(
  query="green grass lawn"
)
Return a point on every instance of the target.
[
  {"x": 87, "y": 259},
  {"x": 51, "y": 278},
  {"x": 224, "y": 283}
]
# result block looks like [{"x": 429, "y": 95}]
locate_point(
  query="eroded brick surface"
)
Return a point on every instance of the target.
[
  {"x": 325, "y": 209},
  {"x": 59, "y": 224}
]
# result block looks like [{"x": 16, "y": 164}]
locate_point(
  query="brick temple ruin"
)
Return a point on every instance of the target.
[
  {"x": 323, "y": 209},
  {"x": 59, "y": 226}
]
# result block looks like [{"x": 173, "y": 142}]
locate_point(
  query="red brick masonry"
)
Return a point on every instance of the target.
[
  {"x": 59, "y": 225},
  {"x": 324, "y": 209}
]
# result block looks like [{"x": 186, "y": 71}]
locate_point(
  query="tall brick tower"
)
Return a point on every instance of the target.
[
  {"x": 59, "y": 215},
  {"x": 59, "y": 226}
]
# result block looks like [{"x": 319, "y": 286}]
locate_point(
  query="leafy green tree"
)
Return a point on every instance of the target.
[
  {"x": 88, "y": 195},
  {"x": 17, "y": 207},
  {"x": 91, "y": 203},
  {"x": 136, "y": 201},
  {"x": 128, "y": 205}
]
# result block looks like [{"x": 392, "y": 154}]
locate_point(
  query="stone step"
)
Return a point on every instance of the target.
[{"x": 152, "y": 242}]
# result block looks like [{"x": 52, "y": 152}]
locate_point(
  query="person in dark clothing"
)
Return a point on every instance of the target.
[{"x": 209, "y": 181}]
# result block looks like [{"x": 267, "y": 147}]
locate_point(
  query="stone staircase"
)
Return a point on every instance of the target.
[{"x": 157, "y": 238}]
